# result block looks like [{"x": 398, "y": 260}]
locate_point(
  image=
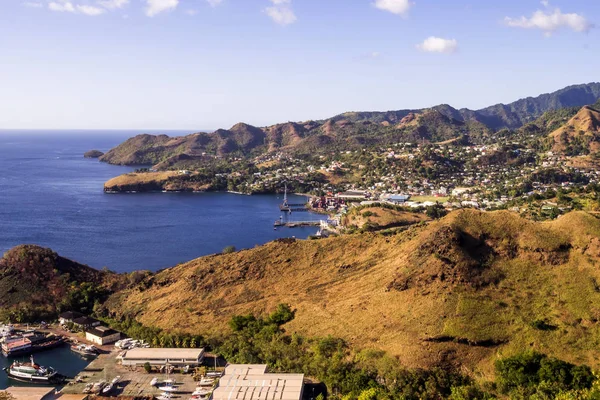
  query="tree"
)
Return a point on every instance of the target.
[{"x": 147, "y": 367}]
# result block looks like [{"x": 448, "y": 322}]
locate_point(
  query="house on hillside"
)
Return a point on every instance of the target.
[
  {"x": 69, "y": 317},
  {"x": 86, "y": 322}
]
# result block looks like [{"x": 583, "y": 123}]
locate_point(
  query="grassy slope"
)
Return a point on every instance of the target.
[{"x": 473, "y": 276}]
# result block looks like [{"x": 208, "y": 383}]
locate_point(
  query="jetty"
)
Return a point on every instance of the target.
[{"x": 296, "y": 224}]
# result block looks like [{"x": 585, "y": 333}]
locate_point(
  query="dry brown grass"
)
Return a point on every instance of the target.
[
  {"x": 140, "y": 178},
  {"x": 343, "y": 286}
]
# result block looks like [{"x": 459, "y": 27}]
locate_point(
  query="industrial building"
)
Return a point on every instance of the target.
[
  {"x": 253, "y": 382},
  {"x": 158, "y": 357}
]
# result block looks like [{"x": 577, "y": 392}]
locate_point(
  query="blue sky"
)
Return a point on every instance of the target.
[{"x": 199, "y": 64}]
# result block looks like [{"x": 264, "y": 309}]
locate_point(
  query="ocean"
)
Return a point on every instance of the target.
[{"x": 53, "y": 197}]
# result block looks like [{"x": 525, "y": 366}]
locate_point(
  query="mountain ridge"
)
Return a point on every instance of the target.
[{"x": 350, "y": 131}]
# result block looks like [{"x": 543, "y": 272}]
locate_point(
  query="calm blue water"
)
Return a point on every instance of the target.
[
  {"x": 51, "y": 196},
  {"x": 62, "y": 359}
]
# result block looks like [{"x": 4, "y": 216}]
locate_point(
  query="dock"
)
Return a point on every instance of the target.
[{"x": 296, "y": 224}]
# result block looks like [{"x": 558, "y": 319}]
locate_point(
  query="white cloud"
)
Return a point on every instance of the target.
[
  {"x": 68, "y": 6},
  {"x": 281, "y": 12},
  {"x": 545, "y": 3},
  {"x": 214, "y": 3},
  {"x": 438, "y": 45},
  {"x": 90, "y": 10},
  {"x": 62, "y": 6},
  {"x": 33, "y": 4},
  {"x": 113, "y": 4},
  {"x": 155, "y": 7},
  {"x": 191, "y": 12},
  {"x": 551, "y": 21},
  {"x": 399, "y": 7}
]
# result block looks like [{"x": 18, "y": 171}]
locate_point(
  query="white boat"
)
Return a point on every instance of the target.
[
  {"x": 168, "y": 388},
  {"x": 154, "y": 382},
  {"x": 206, "y": 382},
  {"x": 88, "y": 388},
  {"x": 201, "y": 392},
  {"x": 116, "y": 380},
  {"x": 108, "y": 388},
  {"x": 164, "y": 396}
]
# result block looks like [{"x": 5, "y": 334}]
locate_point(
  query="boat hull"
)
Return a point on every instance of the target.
[{"x": 35, "y": 380}]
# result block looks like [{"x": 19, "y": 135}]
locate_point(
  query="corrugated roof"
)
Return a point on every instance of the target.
[
  {"x": 155, "y": 354},
  {"x": 251, "y": 382}
]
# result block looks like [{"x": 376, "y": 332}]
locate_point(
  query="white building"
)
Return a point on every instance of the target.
[
  {"x": 252, "y": 382},
  {"x": 102, "y": 335},
  {"x": 159, "y": 357}
]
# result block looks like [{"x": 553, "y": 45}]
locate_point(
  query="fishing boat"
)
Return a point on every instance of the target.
[
  {"x": 32, "y": 372},
  {"x": 85, "y": 350}
]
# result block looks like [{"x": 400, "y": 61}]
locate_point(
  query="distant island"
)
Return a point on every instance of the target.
[{"x": 93, "y": 154}]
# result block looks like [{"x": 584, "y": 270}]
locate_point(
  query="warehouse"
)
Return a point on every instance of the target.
[
  {"x": 159, "y": 357},
  {"x": 102, "y": 335},
  {"x": 253, "y": 382}
]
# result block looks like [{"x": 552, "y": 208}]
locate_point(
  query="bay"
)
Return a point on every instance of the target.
[
  {"x": 62, "y": 359},
  {"x": 53, "y": 197}
]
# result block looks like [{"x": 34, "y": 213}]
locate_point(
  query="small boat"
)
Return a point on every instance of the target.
[
  {"x": 154, "y": 382},
  {"x": 88, "y": 388},
  {"x": 116, "y": 380},
  {"x": 201, "y": 392},
  {"x": 85, "y": 350},
  {"x": 214, "y": 374},
  {"x": 206, "y": 382},
  {"x": 107, "y": 388},
  {"x": 164, "y": 396},
  {"x": 168, "y": 388},
  {"x": 97, "y": 388}
]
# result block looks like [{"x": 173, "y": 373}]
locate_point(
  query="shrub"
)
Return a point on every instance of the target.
[
  {"x": 147, "y": 367},
  {"x": 229, "y": 250}
]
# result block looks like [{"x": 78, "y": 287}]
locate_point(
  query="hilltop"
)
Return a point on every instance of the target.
[
  {"x": 39, "y": 282},
  {"x": 457, "y": 291},
  {"x": 581, "y": 134},
  {"x": 347, "y": 131}
]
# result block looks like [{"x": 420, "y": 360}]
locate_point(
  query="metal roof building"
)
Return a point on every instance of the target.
[
  {"x": 252, "y": 382},
  {"x": 158, "y": 357}
]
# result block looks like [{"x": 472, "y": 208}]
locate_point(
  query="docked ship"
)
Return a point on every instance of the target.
[
  {"x": 28, "y": 343},
  {"x": 33, "y": 373},
  {"x": 85, "y": 350}
]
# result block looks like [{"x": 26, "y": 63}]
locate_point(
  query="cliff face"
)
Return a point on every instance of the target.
[{"x": 466, "y": 288}]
